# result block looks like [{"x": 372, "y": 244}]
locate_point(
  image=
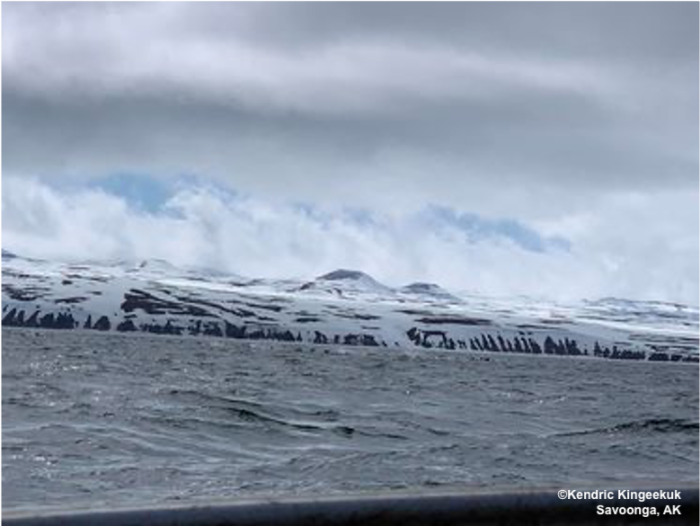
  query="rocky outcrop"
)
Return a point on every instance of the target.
[{"x": 524, "y": 345}]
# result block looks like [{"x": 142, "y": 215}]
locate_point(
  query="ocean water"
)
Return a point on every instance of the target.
[{"x": 114, "y": 420}]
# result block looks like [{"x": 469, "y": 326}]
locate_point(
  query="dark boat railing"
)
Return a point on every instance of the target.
[{"x": 526, "y": 507}]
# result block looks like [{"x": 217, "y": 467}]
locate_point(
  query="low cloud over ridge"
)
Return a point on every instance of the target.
[{"x": 205, "y": 225}]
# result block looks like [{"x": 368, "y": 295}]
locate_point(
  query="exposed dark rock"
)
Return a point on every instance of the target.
[
  {"x": 9, "y": 318},
  {"x": 127, "y": 326},
  {"x": 233, "y": 331},
  {"x": 360, "y": 339},
  {"x": 658, "y": 357},
  {"x": 453, "y": 320},
  {"x": 102, "y": 324},
  {"x": 56, "y": 321},
  {"x": 429, "y": 339},
  {"x": 307, "y": 320},
  {"x": 212, "y": 328},
  {"x": 343, "y": 274},
  {"x": 156, "y": 328},
  {"x": 356, "y": 316},
  {"x": 139, "y": 300},
  {"x": 195, "y": 328},
  {"x": 71, "y": 300},
  {"x": 33, "y": 320}
]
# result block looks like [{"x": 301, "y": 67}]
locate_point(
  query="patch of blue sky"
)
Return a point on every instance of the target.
[
  {"x": 478, "y": 228},
  {"x": 141, "y": 192},
  {"x": 312, "y": 212},
  {"x": 151, "y": 194},
  {"x": 361, "y": 217}
]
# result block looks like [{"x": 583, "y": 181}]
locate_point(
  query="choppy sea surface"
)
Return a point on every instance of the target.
[{"x": 112, "y": 420}]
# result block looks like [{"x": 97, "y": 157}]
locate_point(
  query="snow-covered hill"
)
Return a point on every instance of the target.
[{"x": 343, "y": 307}]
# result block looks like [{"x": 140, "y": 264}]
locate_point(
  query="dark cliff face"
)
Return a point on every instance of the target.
[
  {"x": 487, "y": 341},
  {"x": 440, "y": 339},
  {"x": 16, "y": 318}
]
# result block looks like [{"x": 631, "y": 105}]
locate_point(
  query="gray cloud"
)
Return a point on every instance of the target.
[{"x": 606, "y": 92}]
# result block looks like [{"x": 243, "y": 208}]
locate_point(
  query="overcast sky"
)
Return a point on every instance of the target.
[{"x": 532, "y": 148}]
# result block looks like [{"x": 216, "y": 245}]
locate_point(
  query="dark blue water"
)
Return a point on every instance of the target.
[{"x": 93, "y": 419}]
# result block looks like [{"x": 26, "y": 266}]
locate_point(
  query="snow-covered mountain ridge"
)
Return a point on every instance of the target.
[{"x": 343, "y": 307}]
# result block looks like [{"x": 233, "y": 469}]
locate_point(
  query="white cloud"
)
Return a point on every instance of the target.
[{"x": 206, "y": 226}]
